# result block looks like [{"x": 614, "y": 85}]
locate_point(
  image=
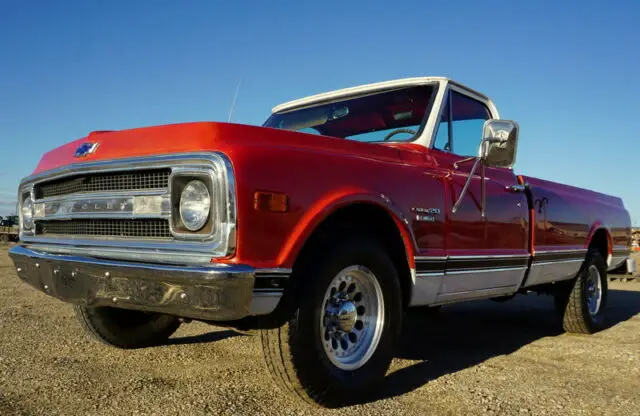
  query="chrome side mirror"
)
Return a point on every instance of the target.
[
  {"x": 499, "y": 143},
  {"x": 497, "y": 149}
]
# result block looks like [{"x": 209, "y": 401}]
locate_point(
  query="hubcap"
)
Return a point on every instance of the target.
[
  {"x": 347, "y": 316},
  {"x": 352, "y": 317},
  {"x": 593, "y": 289}
]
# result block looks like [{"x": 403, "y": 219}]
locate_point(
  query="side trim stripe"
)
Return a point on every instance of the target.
[
  {"x": 558, "y": 256},
  {"x": 430, "y": 266},
  {"x": 426, "y": 266},
  {"x": 480, "y": 264},
  {"x": 460, "y": 264}
]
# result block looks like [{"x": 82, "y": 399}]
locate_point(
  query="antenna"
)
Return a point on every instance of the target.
[{"x": 235, "y": 98}]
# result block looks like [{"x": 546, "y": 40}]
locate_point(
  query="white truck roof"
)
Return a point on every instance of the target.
[{"x": 370, "y": 88}]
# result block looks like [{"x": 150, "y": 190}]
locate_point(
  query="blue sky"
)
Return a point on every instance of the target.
[{"x": 566, "y": 71}]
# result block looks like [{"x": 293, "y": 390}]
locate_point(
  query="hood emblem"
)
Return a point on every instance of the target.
[{"x": 85, "y": 149}]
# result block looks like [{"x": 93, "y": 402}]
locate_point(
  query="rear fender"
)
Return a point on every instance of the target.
[{"x": 597, "y": 226}]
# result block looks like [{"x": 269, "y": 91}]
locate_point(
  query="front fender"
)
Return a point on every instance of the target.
[{"x": 329, "y": 204}]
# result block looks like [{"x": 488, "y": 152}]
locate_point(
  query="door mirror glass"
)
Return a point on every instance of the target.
[{"x": 499, "y": 143}]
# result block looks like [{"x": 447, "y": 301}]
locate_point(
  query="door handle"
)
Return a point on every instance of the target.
[{"x": 516, "y": 188}]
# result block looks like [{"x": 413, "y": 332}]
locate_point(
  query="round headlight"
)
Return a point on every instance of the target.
[
  {"x": 27, "y": 213},
  {"x": 195, "y": 203}
]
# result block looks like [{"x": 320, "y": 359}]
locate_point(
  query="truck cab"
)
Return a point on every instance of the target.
[{"x": 498, "y": 232}]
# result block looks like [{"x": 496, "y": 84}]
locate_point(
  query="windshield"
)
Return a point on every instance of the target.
[{"x": 396, "y": 115}]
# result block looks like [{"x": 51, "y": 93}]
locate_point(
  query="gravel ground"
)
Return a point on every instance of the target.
[{"x": 480, "y": 357}]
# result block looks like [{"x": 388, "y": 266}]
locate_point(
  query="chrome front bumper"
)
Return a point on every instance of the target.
[{"x": 208, "y": 292}]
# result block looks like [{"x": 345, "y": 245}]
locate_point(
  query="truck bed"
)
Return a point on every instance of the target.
[{"x": 565, "y": 218}]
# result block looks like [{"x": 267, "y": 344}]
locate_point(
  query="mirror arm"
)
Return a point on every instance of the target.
[
  {"x": 465, "y": 188},
  {"x": 456, "y": 206},
  {"x": 483, "y": 194},
  {"x": 457, "y": 164}
]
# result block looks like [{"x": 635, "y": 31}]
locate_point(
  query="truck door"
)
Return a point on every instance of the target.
[{"x": 487, "y": 255}]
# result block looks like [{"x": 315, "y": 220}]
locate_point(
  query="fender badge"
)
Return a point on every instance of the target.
[
  {"x": 85, "y": 149},
  {"x": 431, "y": 211},
  {"x": 426, "y": 214}
]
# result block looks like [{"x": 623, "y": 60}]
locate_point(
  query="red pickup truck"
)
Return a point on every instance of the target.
[{"x": 316, "y": 230}]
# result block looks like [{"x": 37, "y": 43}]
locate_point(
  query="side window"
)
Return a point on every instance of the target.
[{"x": 468, "y": 117}]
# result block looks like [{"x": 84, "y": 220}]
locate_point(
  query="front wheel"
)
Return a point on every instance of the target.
[
  {"x": 581, "y": 302},
  {"x": 340, "y": 341},
  {"x": 123, "y": 328}
]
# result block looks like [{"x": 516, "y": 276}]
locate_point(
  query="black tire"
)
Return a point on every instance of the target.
[
  {"x": 571, "y": 298},
  {"x": 425, "y": 311},
  {"x": 622, "y": 269},
  {"x": 501, "y": 299},
  {"x": 123, "y": 328},
  {"x": 294, "y": 352}
]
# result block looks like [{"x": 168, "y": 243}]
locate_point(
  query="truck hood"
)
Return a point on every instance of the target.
[{"x": 197, "y": 137}]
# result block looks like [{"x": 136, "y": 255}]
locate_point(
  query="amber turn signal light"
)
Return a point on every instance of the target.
[{"x": 270, "y": 201}]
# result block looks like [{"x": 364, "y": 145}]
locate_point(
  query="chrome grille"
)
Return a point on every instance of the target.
[
  {"x": 81, "y": 214},
  {"x": 140, "y": 228},
  {"x": 104, "y": 182}
]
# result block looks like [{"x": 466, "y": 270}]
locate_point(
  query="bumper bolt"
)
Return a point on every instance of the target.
[
  {"x": 19, "y": 269},
  {"x": 183, "y": 296},
  {"x": 114, "y": 300},
  {"x": 37, "y": 265},
  {"x": 107, "y": 274},
  {"x": 46, "y": 287}
]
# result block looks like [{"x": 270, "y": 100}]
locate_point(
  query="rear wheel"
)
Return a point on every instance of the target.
[
  {"x": 581, "y": 302},
  {"x": 123, "y": 328},
  {"x": 340, "y": 340},
  {"x": 622, "y": 269}
]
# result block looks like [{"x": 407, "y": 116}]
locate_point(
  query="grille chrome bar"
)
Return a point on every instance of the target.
[{"x": 101, "y": 206}]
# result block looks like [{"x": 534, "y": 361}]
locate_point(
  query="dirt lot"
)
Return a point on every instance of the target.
[{"x": 481, "y": 357}]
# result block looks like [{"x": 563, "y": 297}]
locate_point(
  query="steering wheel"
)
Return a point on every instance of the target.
[{"x": 393, "y": 133}]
